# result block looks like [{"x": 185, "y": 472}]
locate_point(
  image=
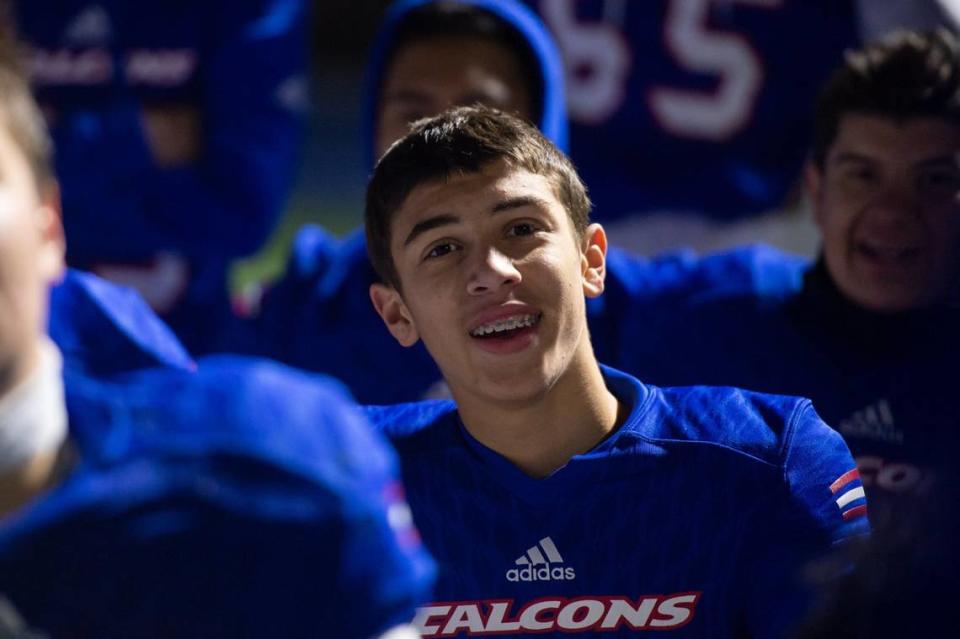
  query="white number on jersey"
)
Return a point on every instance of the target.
[{"x": 719, "y": 115}]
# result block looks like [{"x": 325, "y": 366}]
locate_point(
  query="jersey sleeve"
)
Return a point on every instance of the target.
[{"x": 805, "y": 527}]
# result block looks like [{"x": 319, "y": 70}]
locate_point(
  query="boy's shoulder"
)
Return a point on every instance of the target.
[{"x": 753, "y": 425}]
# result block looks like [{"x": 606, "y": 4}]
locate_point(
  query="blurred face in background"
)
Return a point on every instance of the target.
[
  {"x": 31, "y": 259},
  {"x": 426, "y": 77},
  {"x": 887, "y": 202}
]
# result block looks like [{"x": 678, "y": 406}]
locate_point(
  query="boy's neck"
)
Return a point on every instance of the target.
[{"x": 540, "y": 435}]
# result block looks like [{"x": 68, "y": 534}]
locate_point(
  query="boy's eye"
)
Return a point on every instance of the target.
[
  {"x": 439, "y": 250},
  {"x": 945, "y": 180},
  {"x": 521, "y": 229},
  {"x": 860, "y": 174}
]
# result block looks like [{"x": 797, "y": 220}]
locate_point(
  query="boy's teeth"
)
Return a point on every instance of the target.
[{"x": 506, "y": 324}]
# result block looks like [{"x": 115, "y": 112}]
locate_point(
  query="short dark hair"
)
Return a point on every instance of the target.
[
  {"x": 18, "y": 109},
  {"x": 462, "y": 140},
  {"x": 447, "y": 19},
  {"x": 907, "y": 74}
]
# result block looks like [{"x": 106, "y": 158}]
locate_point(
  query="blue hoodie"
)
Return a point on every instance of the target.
[
  {"x": 319, "y": 317},
  {"x": 103, "y": 329}
]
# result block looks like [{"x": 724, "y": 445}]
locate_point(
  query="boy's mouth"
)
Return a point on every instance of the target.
[
  {"x": 888, "y": 255},
  {"x": 506, "y": 326}
]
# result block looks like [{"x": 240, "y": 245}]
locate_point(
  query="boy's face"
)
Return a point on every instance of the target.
[
  {"x": 31, "y": 257},
  {"x": 427, "y": 77},
  {"x": 493, "y": 278},
  {"x": 887, "y": 205}
]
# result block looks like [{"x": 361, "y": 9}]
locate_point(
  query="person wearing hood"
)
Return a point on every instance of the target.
[{"x": 427, "y": 57}]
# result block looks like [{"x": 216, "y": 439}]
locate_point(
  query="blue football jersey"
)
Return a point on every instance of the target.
[
  {"x": 884, "y": 382},
  {"x": 694, "y": 106},
  {"x": 701, "y": 511},
  {"x": 240, "y": 500},
  {"x": 98, "y": 67}
]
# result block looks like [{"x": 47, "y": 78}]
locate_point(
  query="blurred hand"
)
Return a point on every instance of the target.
[{"x": 174, "y": 134}]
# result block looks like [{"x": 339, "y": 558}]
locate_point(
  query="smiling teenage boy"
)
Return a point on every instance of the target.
[{"x": 558, "y": 495}]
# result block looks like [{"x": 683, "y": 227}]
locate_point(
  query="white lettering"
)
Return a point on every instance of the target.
[
  {"x": 66, "y": 67},
  {"x": 162, "y": 68},
  {"x": 425, "y": 614},
  {"x": 496, "y": 623},
  {"x": 721, "y": 114},
  {"x": 623, "y": 610},
  {"x": 529, "y": 617},
  {"x": 677, "y": 610},
  {"x": 592, "y": 613},
  {"x": 464, "y": 617}
]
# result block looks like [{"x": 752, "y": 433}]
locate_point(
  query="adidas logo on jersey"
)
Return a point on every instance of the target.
[
  {"x": 92, "y": 26},
  {"x": 873, "y": 422},
  {"x": 539, "y": 563}
]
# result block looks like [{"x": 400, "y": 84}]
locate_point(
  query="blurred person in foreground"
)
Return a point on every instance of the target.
[
  {"x": 228, "y": 498},
  {"x": 176, "y": 126},
  {"x": 558, "y": 495}
]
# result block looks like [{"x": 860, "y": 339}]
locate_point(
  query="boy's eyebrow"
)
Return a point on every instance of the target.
[
  {"x": 518, "y": 202},
  {"x": 448, "y": 218},
  {"x": 845, "y": 157},
  {"x": 430, "y": 223},
  {"x": 945, "y": 161}
]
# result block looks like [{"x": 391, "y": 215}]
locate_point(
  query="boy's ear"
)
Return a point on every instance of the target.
[
  {"x": 593, "y": 260},
  {"x": 394, "y": 313},
  {"x": 53, "y": 248}
]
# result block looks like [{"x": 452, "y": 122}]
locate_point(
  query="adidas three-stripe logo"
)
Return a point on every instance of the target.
[
  {"x": 540, "y": 563},
  {"x": 534, "y": 556}
]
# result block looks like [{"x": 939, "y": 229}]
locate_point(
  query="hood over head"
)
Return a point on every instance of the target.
[{"x": 552, "y": 116}]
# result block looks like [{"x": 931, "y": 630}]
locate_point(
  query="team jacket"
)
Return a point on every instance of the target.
[
  {"x": 700, "y": 512},
  {"x": 242, "y": 499}
]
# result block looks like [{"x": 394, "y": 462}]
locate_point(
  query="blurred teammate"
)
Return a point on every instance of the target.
[
  {"x": 234, "y": 498},
  {"x": 868, "y": 332},
  {"x": 176, "y": 127},
  {"x": 560, "y": 496},
  {"x": 428, "y": 56}
]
